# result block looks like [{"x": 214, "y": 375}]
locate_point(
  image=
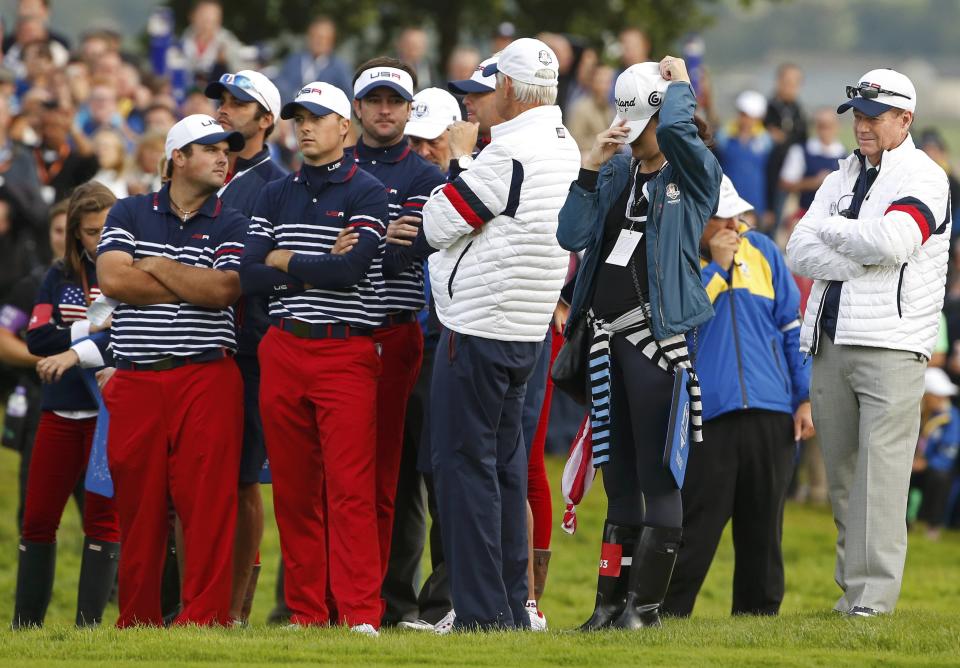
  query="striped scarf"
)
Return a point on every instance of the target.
[{"x": 669, "y": 354}]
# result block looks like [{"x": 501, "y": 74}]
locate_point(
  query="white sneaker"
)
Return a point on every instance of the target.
[
  {"x": 365, "y": 630},
  {"x": 537, "y": 620},
  {"x": 445, "y": 625},
  {"x": 418, "y": 625}
]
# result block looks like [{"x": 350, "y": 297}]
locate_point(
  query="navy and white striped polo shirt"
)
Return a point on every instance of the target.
[
  {"x": 304, "y": 213},
  {"x": 409, "y": 180},
  {"x": 145, "y": 226}
]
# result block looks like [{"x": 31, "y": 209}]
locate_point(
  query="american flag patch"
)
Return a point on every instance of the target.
[{"x": 72, "y": 306}]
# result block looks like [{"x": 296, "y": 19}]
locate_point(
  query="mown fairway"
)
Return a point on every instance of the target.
[{"x": 926, "y": 630}]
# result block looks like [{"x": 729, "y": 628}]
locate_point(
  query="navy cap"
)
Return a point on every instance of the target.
[
  {"x": 479, "y": 81},
  {"x": 215, "y": 89}
]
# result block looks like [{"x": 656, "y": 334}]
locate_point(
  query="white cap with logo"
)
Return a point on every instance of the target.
[
  {"x": 528, "y": 61},
  {"x": 478, "y": 81},
  {"x": 879, "y": 91},
  {"x": 433, "y": 110},
  {"x": 319, "y": 98},
  {"x": 638, "y": 95},
  {"x": 731, "y": 204},
  {"x": 248, "y": 86},
  {"x": 200, "y": 129},
  {"x": 751, "y": 103},
  {"x": 938, "y": 383},
  {"x": 390, "y": 77}
]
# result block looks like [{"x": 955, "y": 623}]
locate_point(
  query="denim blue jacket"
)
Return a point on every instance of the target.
[{"x": 682, "y": 198}]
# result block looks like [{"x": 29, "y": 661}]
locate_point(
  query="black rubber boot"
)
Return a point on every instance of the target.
[
  {"x": 281, "y": 613},
  {"x": 653, "y": 560},
  {"x": 37, "y": 565},
  {"x": 612, "y": 588},
  {"x": 98, "y": 568}
]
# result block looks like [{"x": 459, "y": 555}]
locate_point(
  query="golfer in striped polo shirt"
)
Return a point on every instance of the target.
[
  {"x": 319, "y": 366},
  {"x": 176, "y": 415}
]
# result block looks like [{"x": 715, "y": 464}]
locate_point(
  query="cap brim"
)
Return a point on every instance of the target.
[
  {"x": 215, "y": 90},
  {"x": 400, "y": 90},
  {"x": 733, "y": 209},
  {"x": 425, "y": 130},
  {"x": 871, "y": 108},
  {"x": 290, "y": 109},
  {"x": 234, "y": 140},
  {"x": 490, "y": 70},
  {"x": 467, "y": 86},
  {"x": 635, "y": 127}
]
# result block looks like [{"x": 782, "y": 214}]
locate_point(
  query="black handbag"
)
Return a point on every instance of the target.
[{"x": 569, "y": 371}]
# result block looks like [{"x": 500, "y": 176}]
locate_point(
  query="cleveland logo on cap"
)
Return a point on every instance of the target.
[
  {"x": 655, "y": 99},
  {"x": 624, "y": 104}
]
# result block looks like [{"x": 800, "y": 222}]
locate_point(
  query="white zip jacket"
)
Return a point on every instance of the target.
[
  {"x": 892, "y": 259},
  {"x": 499, "y": 269}
]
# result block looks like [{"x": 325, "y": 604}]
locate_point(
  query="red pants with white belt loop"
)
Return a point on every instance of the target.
[
  {"x": 401, "y": 354},
  {"x": 318, "y": 398},
  {"x": 60, "y": 455},
  {"x": 176, "y": 434}
]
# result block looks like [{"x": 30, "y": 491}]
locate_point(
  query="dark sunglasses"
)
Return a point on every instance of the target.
[{"x": 870, "y": 92}]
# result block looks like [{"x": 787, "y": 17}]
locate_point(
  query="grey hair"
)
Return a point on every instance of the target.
[{"x": 529, "y": 93}]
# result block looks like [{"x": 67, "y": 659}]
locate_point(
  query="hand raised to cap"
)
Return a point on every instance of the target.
[
  {"x": 463, "y": 138},
  {"x": 674, "y": 69}
]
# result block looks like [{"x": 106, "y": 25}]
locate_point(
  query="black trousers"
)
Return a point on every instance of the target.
[
  {"x": 739, "y": 472},
  {"x": 405, "y": 599}
]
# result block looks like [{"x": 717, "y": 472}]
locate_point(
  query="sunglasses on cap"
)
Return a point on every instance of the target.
[
  {"x": 871, "y": 91},
  {"x": 243, "y": 83}
]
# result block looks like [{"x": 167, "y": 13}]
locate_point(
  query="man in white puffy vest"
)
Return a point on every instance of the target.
[
  {"x": 496, "y": 279},
  {"x": 876, "y": 240}
]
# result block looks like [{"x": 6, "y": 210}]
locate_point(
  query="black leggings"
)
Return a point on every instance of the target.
[{"x": 639, "y": 489}]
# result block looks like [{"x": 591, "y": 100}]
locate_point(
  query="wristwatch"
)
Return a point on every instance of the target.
[{"x": 464, "y": 161}]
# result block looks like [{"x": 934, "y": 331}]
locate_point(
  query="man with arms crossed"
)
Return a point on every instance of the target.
[{"x": 876, "y": 240}]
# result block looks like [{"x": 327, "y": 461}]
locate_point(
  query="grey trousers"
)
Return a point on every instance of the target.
[{"x": 866, "y": 407}]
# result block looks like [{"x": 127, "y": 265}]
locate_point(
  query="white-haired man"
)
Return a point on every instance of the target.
[
  {"x": 495, "y": 280},
  {"x": 876, "y": 240}
]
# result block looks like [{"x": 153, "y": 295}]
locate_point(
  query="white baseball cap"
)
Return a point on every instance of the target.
[
  {"x": 478, "y": 81},
  {"x": 880, "y": 90},
  {"x": 751, "y": 103},
  {"x": 200, "y": 129},
  {"x": 527, "y": 60},
  {"x": 249, "y": 86},
  {"x": 433, "y": 110},
  {"x": 938, "y": 383},
  {"x": 638, "y": 95},
  {"x": 319, "y": 98},
  {"x": 731, "y": 204},
  {"x": 391, "y": 77}
]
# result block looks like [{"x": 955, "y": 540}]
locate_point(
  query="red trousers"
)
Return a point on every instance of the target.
[
  {"x": 176, "y": 435},
  {"x": 538, "y": 485},
  {"x": 318, "y": 398},
  {"x": 401, "y": 354},
  {"x": 60, "y": 455}
]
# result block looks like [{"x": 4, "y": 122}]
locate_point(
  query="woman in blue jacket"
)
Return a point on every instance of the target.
[
  {"x": 60, "y": 333},
  {"x": 638, "y": 218}
]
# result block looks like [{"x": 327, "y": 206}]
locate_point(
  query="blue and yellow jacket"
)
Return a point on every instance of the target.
[{"x": 748, "y": 354}]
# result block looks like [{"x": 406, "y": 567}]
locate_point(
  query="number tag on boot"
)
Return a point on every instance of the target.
[{"x": 611, "y": 554}]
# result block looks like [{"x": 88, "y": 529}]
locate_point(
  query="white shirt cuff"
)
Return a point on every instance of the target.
[
  {"x": 79, "y": 330},
  {"x": 88, "y": 353}
]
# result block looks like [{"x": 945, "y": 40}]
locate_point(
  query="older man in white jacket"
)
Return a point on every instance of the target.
[
  {"x": 496, "y": 280},
  {"x": 876, "y": 239}
]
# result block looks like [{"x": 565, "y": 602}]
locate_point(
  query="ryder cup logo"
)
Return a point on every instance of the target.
[
  {"x": 655, "y": 99},
  {"x": 419, "y": 110},
  {"x": 673, "y": 192},
  {"x": 544, "y": 58}
]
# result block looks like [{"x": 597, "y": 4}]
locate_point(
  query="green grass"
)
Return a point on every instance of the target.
[{"x": 925, "y": 631}]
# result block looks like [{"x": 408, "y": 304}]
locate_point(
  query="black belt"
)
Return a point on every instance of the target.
[
  {"x": 309, "y": 330},
  {"x": 168, "y": 363},
  {"x": 399, "y": 318}
]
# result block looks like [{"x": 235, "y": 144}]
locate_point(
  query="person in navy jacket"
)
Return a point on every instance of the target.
[
  {"x": 60, "y": 333},
  {"x": 250, "y": 105},
  {"x": 383, "y": 91},
  {"x": 171, "y": 260},
  {"x": 319, "y": 365}
]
